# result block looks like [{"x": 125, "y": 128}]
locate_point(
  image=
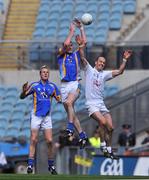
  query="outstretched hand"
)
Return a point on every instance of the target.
[
  {"x": 127, "y": 54},
  {"x": 25, "y": 87},
  {"x": 78, "y": 23},
  {"x": 72, "y": 27},
  {"x": 79, "y": 40}
]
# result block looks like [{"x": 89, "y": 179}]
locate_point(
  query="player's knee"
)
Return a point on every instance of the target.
[
  {"x": 34, "y": 140},
  {"x": 103, "y": 121},
  {"x": 68, "y": 103}
]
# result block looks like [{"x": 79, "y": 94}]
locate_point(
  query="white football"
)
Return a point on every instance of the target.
[{"x": 86, "y": 19}]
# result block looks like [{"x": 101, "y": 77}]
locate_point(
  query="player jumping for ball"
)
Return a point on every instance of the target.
[
  {"x": 69, "y": 67},
  {"x": 95, "y": 82}
]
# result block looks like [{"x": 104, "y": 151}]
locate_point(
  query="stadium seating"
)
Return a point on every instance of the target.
[
  {"x": 129, "y": 6},
  {"x": 54, "y": 18},
  {"x": 1, "y": 6}
]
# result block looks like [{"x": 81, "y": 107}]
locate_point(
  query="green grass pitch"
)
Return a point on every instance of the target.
[{"x": 64, "y": 177}]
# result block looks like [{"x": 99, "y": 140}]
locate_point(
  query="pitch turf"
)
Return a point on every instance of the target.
[{"x": 64, "y": 177}]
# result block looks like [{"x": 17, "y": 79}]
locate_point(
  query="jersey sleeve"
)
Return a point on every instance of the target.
[{"x": 108, "y": 75}]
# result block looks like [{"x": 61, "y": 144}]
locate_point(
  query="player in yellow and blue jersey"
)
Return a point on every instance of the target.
[
  {"x": 42, "y": 91},
  {"x": 69, "y": 67}
]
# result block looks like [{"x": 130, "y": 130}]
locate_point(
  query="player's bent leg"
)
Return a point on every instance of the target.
[
  {"x": 102, "y": 122},
  {"x": 49, "y": 141},
  {"x": 83, "y": 139},
  {"x": 109, "y": 129},
  {"x": 69, "y": 107},
  {"x": 33, "y": 142}
]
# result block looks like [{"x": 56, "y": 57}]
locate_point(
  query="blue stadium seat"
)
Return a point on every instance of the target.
[
  {"x": 100, "y": 39},
  {"x": 12, "y": 132},
  {"x": 104, "y": 16},
  {"x": 78, "y": 14},
  {"x": 6, "y": 105},
  {"x": 39, "y": 33},
  {"x": 89, "y": 31},
  {"x": 115, "y": 24},
  {"x": 45, "y": 53},
  {"x": 1, "y": 6},
  {"x": 67, "y": 16},
  {"x": 56, "y": 8},
  {"x": 42, "y": 16},
  {"x": 58, "y": 107},
  {"x": 12, "y": 92},
  {"x": 57, "y": 116},
  {"x": 21, "y": 106},
  {"x": 52, "y": 24},
  {"x": 44, "y": 4},
  {"x": 2, "y": 133},
  {"x": 129, "y": 7},
  {"x": 54, "y": 16},
  {"x": 27, "y": 117},
  {"x": 34, "y": 55},
  {"x": 3, "y": 122},
  {"x": 81, "y": 104},
  {"x": 117, "y": 6},
  {"x": 116, "y": 14},
  {"x": 26, "y": 125},
  {"x": 18, "y": 114},
  {"x": 92, "y": 7},
  {"x": 67, "y": 7},
  {"x": 64, "y": 23},
  {"x": 102, "y": 24},
  {"x": 15, "y": 123},
  {"x": 104, "y": 7},
  {"x": 90, "y": 39},
  {"x": 51, "y": 32},
  {"x": 25, "y": 132},
  {"x": 11, "y": 98},
  {"x": 6, "y": 113},
  {"x": 41, "y": 24},
  {"x": 2, "y": 91}
]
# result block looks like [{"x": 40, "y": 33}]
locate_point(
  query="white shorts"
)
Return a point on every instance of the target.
[
  {"x": 94, "y": 107},
  {"x": 40, "y": 122},
  {"x": 68, "y": 87}
]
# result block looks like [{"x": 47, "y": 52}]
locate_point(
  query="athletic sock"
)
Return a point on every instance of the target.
[
  {"x": 109, "y": 149},
  {"x": 82, "y": 135},
  {"x": 70, "y": 126},
  {"x": 103, "y": 144},
  {"x": 50, "y": 162},
  {"x": 30, "y": 162}
]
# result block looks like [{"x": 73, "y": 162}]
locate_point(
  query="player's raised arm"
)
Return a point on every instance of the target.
[
  {"x": 127, "y": 54},
  {"x": 79, "y": 24},
  {"x": 67, "y": 42},
  {"x": 25, "y": 90},
  {"x": 81, "y": 46}
]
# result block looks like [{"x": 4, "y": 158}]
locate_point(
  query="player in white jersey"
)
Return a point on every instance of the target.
[{"x": 95, "y": 82}]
